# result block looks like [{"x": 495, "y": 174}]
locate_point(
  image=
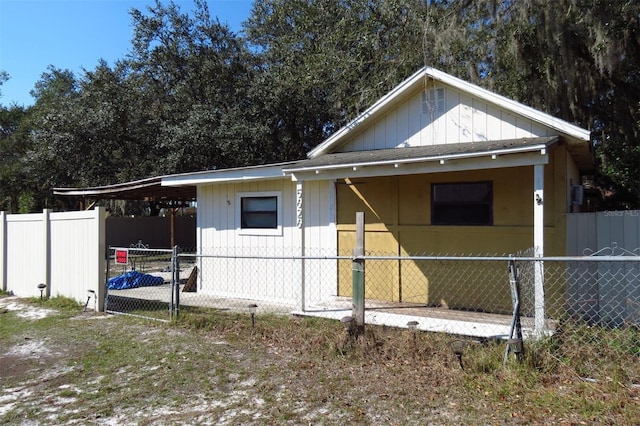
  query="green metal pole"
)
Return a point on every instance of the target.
[{"x": 358, "y": 275}]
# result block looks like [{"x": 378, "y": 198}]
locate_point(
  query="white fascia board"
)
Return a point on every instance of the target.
[
  {"x": 453, "y": 165},
  {"x": 225, "y": 175},
  {"x": 441, "y": 158}
]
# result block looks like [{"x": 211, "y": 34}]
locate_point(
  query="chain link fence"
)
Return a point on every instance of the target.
[
  {"x": 591, "y": 301},
  {"x": 141, "y": 282}
]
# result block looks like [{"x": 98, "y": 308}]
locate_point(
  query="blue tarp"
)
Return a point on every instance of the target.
[{"x": 133, "y": 279}]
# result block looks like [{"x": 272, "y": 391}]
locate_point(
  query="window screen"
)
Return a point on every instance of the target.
[
  {"x": 259, "y": 212},
  {"x": 462, "y": 203}
]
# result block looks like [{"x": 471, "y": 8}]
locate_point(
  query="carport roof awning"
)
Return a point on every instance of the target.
[
  {"x": 150, "y": 189},
  {"x": 414, "y": 157}
]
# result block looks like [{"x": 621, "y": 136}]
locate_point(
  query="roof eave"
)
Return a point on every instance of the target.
[
  {"x": 240, "y": 174},
  {"x": 542, "y": 148}
]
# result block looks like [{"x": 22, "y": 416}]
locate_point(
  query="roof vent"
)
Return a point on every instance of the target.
[{"x": 433, "y": 101}]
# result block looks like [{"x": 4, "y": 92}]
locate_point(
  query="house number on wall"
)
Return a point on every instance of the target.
[{"x": 299, "y": 206}]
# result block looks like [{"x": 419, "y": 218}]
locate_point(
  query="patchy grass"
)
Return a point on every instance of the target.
[{"x": 213, "y": 367}]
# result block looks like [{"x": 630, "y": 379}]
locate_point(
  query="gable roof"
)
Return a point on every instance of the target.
[{"x": 574, "y": 134}]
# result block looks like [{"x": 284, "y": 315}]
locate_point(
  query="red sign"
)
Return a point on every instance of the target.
[{"x": 122, "y": 256}]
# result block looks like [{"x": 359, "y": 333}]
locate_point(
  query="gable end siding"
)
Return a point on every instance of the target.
[{"x": 465, "y": 119}]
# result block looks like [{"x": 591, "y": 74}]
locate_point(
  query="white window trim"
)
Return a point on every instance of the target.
[{"x": 258, "y": 231}]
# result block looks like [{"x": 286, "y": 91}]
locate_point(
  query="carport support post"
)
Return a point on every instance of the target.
[
  {"x": 358, "y": 275},
  {"x": 172, "y": 223},
  {"x": 107, "y": 255},
  {"x": 176, "y": 279}
]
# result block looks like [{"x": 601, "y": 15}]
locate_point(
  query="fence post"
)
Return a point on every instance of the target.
[
  {"x": 46, "y": 223},
  {"x": 102, "y": 257},
  {"x": 3, "y": 251},
  {"x": 515, "y": 342},
  {"x": 358, "y": 275}
]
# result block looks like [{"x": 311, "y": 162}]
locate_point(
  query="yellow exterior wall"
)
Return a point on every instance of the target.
[{"x": 397, "y": 222}]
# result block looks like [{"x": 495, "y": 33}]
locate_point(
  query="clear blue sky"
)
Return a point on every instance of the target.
[{"x": 76, "y": 34}]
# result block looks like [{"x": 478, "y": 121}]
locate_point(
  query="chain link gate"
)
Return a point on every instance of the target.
[{"x": 142, "y": 282}]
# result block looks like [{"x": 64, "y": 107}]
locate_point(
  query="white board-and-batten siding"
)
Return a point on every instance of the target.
[
  {"x": 320, "y": 239},
  {"x": 219, "y": 227},
  {"x": 255, "y": 276},
  {"x": 459, "y": 119}
]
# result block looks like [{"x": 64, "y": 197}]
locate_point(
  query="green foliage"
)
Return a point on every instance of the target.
[
  {"x": 325, "y": 61},
  {"x": 62, "y": 303},
  {"x": 575, "y": 60},
  {"x": 192, "y": 74},
  {"x": 4, "y": 76},
  {"x": 13, "y": 146},
  {"x": 26, "y": 203},
  {"x": 193, "y": 95}
]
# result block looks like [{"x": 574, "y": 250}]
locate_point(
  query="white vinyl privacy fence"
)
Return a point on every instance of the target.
[{"x": 63, "y": 252}]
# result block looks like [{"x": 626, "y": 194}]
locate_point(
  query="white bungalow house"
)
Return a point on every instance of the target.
[{"x": 438, "y": 165}]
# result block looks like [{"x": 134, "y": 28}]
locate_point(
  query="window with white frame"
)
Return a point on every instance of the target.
[{"x": 259, "y": 213}]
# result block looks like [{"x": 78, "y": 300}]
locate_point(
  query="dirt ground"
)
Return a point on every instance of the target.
[{"x": 62, "y": 366}]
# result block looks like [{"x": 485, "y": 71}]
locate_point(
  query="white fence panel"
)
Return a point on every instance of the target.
[
  {"x": 77, "y": 254},
  {"x": 26, "y": 253},
  {"x": 64, "y": 251},
  {"x": 3, "y": 251}
]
